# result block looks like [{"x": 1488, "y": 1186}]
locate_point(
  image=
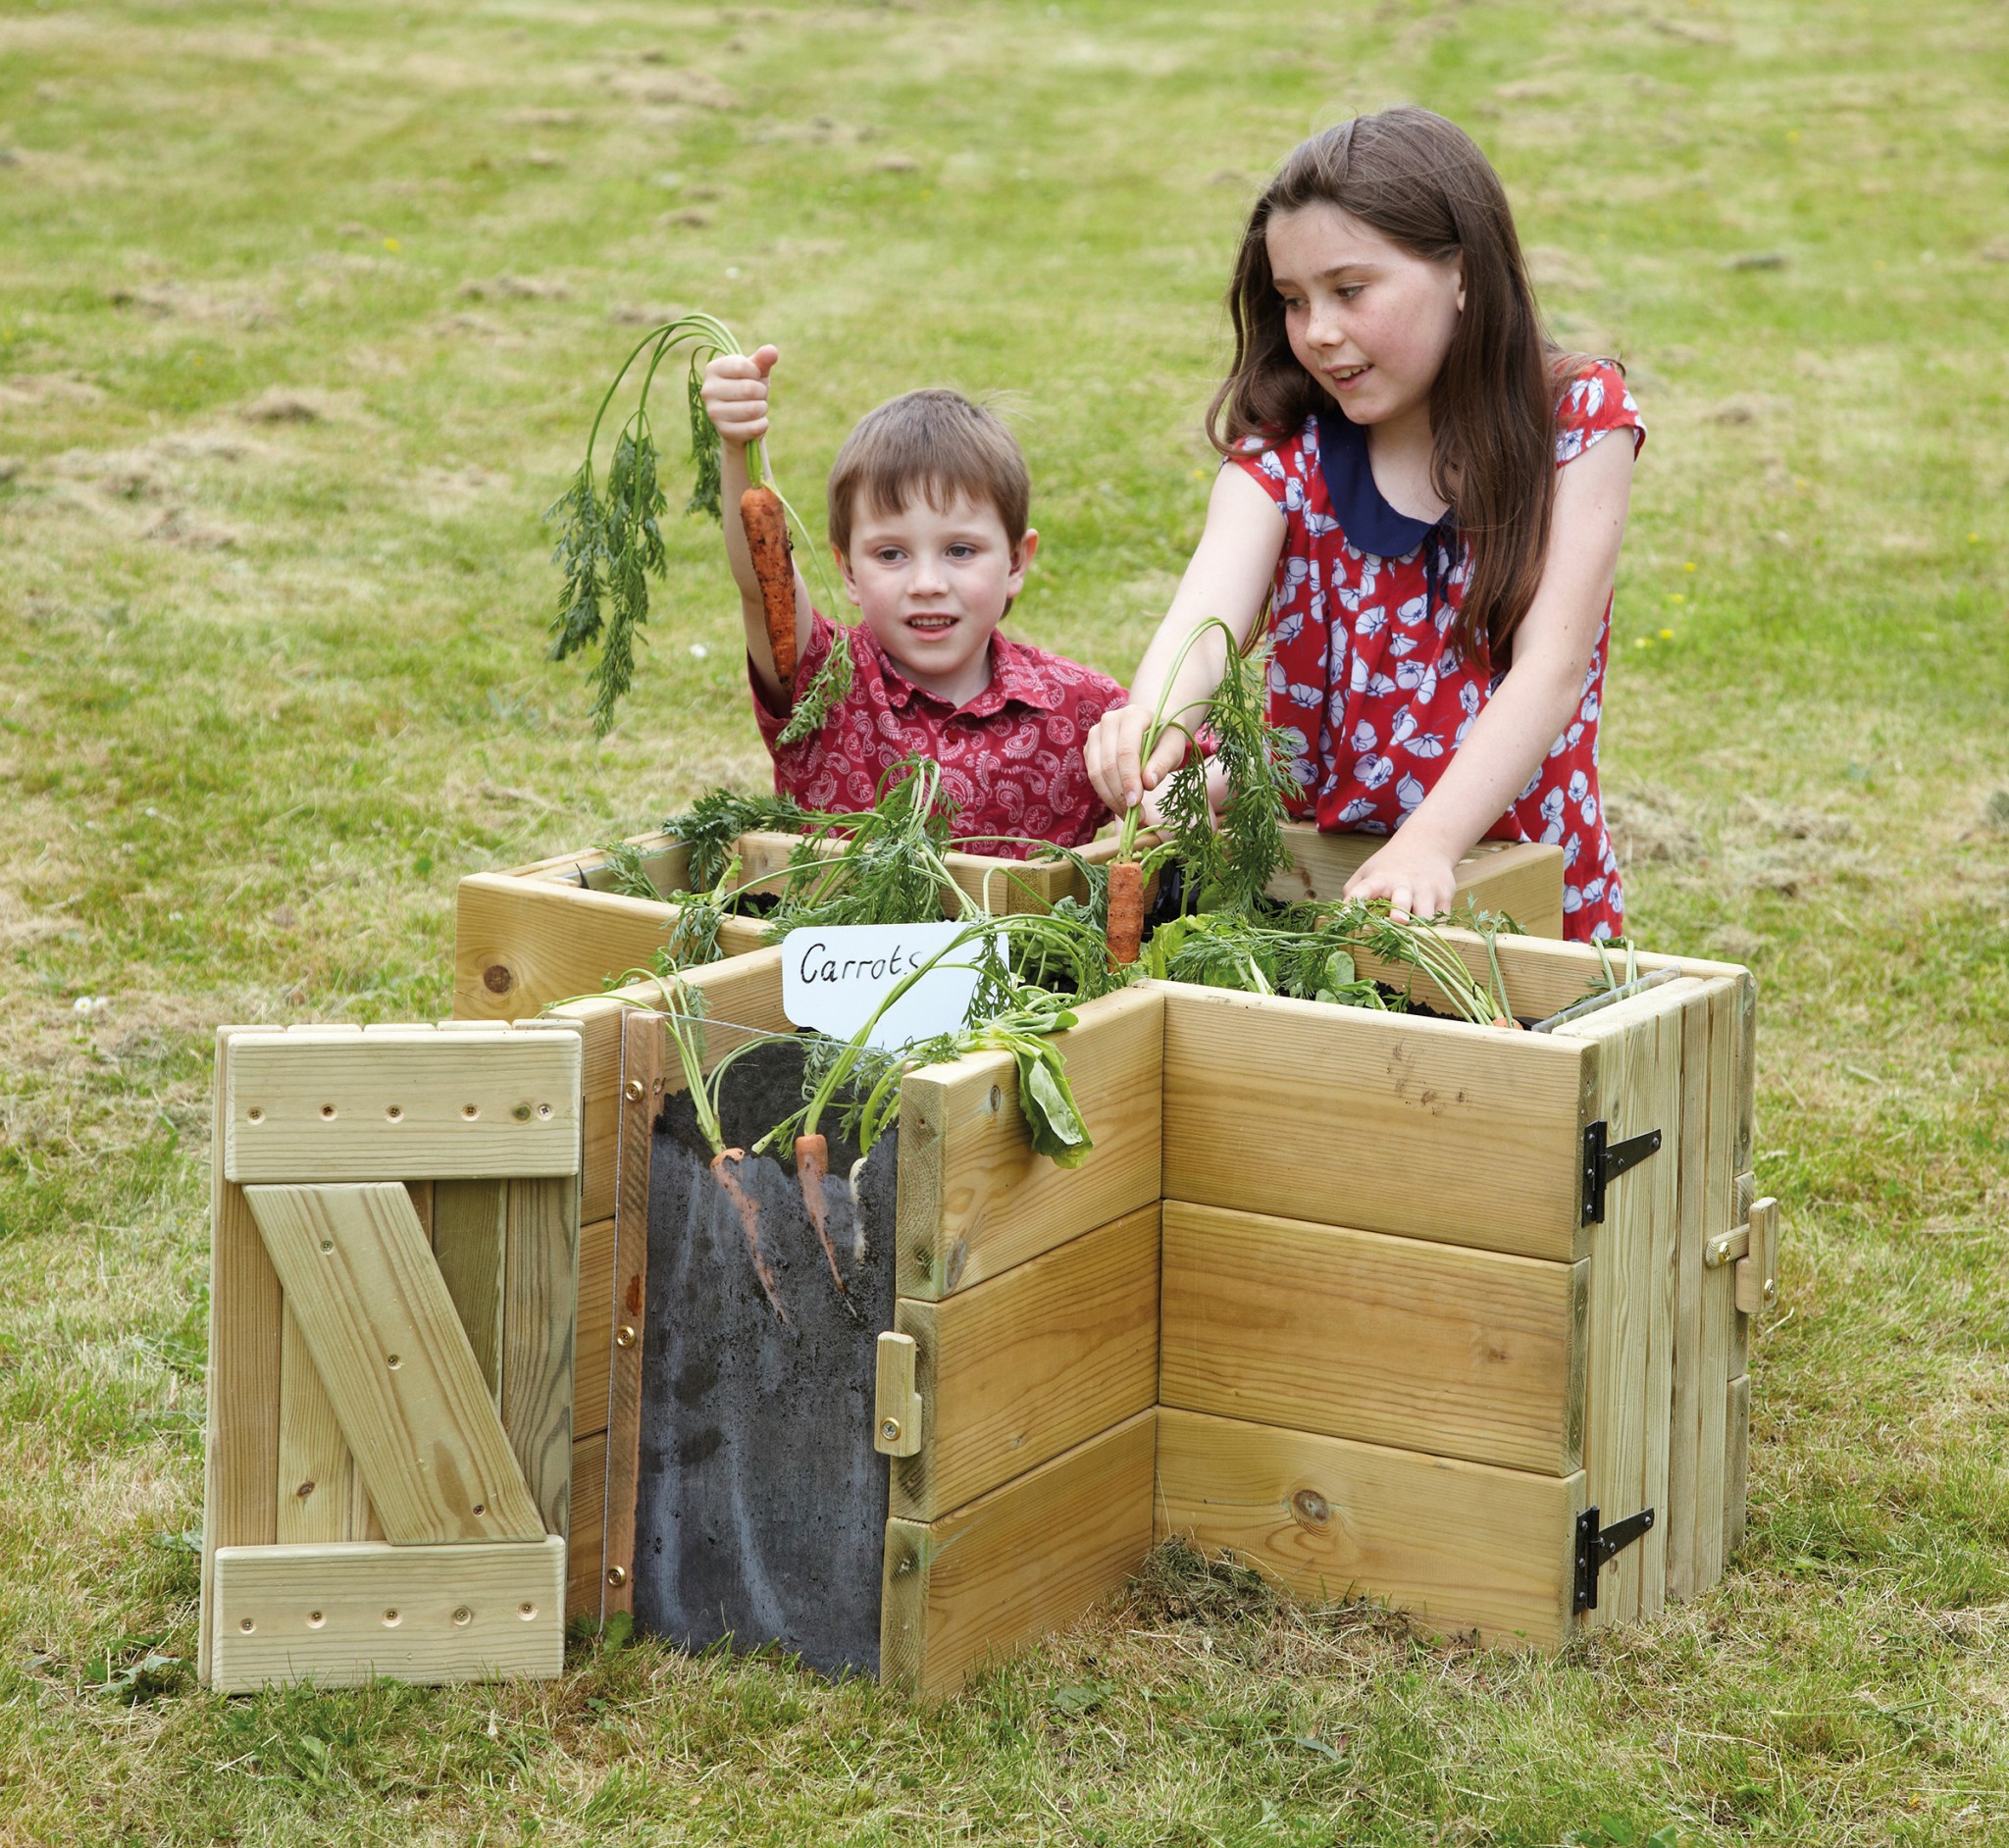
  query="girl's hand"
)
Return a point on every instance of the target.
[
  {"x": 1113, "y": 752},
  {"x": 1416, "y": 879},
  {"x": 735, "y": 395}
]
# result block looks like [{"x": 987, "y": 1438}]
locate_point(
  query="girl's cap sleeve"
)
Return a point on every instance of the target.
[
  {"x": 1262, "y": 465},
  {"x": 1595, "y": 402}
]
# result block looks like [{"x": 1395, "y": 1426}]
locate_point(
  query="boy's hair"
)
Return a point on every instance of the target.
[
  {"x": 932, "y": 442},
  {"x": 1423, "y": 182}
]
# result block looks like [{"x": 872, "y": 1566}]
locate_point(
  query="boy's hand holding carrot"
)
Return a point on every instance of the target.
[{"x": 774, "y": 602}]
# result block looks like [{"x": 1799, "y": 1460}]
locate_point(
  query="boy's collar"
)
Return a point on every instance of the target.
[{"x": 1016, "y": 674}]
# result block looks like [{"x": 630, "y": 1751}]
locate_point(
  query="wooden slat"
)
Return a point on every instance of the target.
[
  {"x": 1520, "y": 879},
  {"x": 1392, "y": 1340},
  {"x": 1464, "y": 1545},
  {"x": 1016, "y": 1562},
  {"x": 1017, "y": 1370},
  {"x": 1693, "y": 1233},
  {"x": 1424, "y": 1128},
  {"x": 363, "y": 1285},
  {"x": 643, "y": 1058},
  {"x": 519, "y": 944},
  {"x": 316, "y": 1472},
  {"x": 467, "y": 1243},
  {"x": 1629, "y": 1393},
  {"x": 1542, "y": 976},
  {"x": 311, "y": 1106},
  {"x": 538, "y": 1316},
  {"x": 1714, "y": 1367},
  {"x": 586, "y": 1543},
  {"x": 974, "y": 1199},
  {"x": 1737, "y": 1452},
  {"x": 340, "y": 1615},
  {"x": 240, "y": 1461},
  {"x": 592, "y": 1370}
]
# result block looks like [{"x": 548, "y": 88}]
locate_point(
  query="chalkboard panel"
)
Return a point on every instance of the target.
[{"x": 760, "y": 1510}]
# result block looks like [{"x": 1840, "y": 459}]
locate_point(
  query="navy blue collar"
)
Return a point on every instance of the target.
[{"x": 1370, "y": 523}]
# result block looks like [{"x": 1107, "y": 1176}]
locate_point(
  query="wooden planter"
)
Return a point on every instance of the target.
[
  {"x": 541, "y": 933},
  {"x": 1387, "y": 1304}
]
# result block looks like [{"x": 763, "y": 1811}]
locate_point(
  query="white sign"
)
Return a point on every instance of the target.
[{"x": 836, "y": 979}]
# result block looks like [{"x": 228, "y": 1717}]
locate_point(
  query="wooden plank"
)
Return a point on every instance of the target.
[
  {"x": 1425, "y": 1128},
  {"x": 1542, "y": 976},
  {"x": 316, "y": 1474},
  {"x": 396, "y": 1364},
  {"x": 1736, "y": 1471},
  {"x": 539, "y": 1338},
  {"x": 1693, "y": 1235},
  {"x": 467, "y": 1244},
  {"x": 585, "y": 1559},
  {"x": 1715, "y": 1368},
  {"x": 974, "y": 1199},
  {"x": 1393, "y": 1341},
  {"x": 643, "y": 1060},
  {"x": 340, "y": 1615},
  {"x": 520, "y": 945},
  {"x": 1015, "y": 1371},
  {"x": 1524, "y": 880},
  {"x": 308, "y": 1107},
  {"x": 1023, "y": 1560},
  {"x": 240, "y": 1453},
  {"x": 1463, "y": 1545},
  {"x": 1629, "y": 1393},
  {"x": 593, "y": 1350}
]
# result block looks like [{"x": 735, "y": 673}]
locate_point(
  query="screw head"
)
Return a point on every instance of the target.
[
  {"x": 890, "y": 1431},
  {"x": 463, "y": 1617},
  {"x": 632, "y": 1091},
  {"x": 624, "y": 1336},
  {"x": 617, "y": 1575}
]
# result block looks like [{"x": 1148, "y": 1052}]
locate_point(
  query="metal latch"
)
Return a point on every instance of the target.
[
  {"x": 1597, "y": 1548},
  {"x": 895, "y": 1404},
  {"x": 1604, "y": 1161}
]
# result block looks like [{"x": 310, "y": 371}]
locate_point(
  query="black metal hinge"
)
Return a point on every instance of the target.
[
  {"x": 1604, "y": 1161},
  {"x": 1597, "y": 1547}
]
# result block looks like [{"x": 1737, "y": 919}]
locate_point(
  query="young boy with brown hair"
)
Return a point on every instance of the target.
[{"x": 928, "y": 505}]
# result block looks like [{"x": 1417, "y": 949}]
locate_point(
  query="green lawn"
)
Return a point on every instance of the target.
[{"x": 305, "y": 311}]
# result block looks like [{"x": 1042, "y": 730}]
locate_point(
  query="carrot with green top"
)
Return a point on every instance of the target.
[{"x": 765, "y": 522}]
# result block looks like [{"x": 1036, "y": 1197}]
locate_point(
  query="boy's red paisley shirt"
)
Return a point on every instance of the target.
[
  {"x": 1011, "y": 758},
  {"x": 1363, "y": 677}
]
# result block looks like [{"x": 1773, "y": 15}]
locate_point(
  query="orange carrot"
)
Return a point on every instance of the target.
[
  {"x": 723, "y": 1165},
  {"x": 1126, "y": 912},
  {"x": 766, "y": 524},
  {"x": 812, "y": 1165}
]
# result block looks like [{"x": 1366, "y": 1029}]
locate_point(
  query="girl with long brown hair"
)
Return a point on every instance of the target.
[{"x": 1416, "y": 490}]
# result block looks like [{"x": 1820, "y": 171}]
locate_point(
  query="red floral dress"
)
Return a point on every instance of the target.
[
  {"x": 1364, "y": 679},
  {"x": 1011, "y": 758}
]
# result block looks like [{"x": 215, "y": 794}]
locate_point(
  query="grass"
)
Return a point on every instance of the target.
[{"x": 306, "y": 311}]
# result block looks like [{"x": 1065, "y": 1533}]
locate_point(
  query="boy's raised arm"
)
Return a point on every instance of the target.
[{"x": 735, "y": 395}]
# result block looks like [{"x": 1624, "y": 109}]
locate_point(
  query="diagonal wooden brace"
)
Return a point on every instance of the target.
[{"x": 414, "y": 1408}]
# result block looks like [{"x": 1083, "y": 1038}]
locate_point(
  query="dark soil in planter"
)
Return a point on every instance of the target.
[{"x": 761, "y": 1507}]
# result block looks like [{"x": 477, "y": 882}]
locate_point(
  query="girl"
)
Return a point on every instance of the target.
[{"x": 1416, "y": 481}]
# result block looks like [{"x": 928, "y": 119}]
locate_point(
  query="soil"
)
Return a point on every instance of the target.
[{"x": 760, "y": 1514}]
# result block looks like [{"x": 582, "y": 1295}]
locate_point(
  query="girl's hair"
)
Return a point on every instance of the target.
[{"x": 1424, "y": 184}]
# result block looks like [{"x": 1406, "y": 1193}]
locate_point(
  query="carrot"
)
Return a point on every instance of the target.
[
  {"x": 1126, "y": 912},
  {"x": 723, "y": 1165},
  {"x": 766, "y": 524},
  {"x": 812, "y": 1165}
]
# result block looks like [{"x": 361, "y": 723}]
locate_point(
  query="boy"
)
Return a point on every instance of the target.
[{"x": 927, "y": 514}]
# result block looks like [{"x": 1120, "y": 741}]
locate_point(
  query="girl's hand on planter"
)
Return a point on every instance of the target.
[{"x": 1416, "y": 879}]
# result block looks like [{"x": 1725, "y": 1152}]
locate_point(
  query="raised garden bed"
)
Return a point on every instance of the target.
[
  {"x": 1370, "y": 1299},
  {"x": 541, "y": 933}
]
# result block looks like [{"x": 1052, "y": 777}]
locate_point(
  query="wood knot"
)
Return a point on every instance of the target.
[
  {"x": 496, "y": 979},
  {"x": 1311, "y": 1509}
]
